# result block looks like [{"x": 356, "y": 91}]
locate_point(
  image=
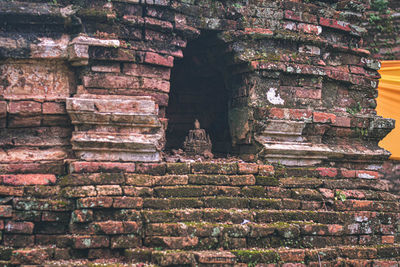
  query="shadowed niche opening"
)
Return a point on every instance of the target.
[{"x": 199, "y": 91}]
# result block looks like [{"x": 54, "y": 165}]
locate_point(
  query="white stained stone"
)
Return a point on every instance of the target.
[{"x": 273, "y": 97}]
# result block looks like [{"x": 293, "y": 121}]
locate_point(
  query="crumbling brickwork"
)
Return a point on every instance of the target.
[
  {"x": 85, "y": 90},
  {"x": 382, "y": 37}
]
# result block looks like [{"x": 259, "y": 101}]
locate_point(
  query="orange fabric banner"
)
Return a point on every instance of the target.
[{"x": 389, "y": 104}]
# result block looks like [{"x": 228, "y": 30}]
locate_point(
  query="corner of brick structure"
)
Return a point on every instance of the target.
[{"x": 97, "y": 97}]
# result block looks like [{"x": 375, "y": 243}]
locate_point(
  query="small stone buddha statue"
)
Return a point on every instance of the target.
[{"x": 198, "y": 141}]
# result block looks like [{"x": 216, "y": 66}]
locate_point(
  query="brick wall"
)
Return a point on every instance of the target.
[
  {"x": 383, "y": 27},
  {"x": 85, "y": 90},
  {"x": 180, "y": 213}
]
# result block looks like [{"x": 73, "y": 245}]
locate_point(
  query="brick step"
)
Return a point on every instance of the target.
[
  {"x": 107, "y": 201},
  {"x": 104, "y": 263},
  {"x": 260, "y": 216},
  {"x": 331, "y": 256},
  {"x": 247, "y": 192},
  {"x": 314, "y": 202},
  {"x": 388, "y": 255},
  {"x": 254, "y": 230},
  {"x": 271, "y": 192},
  {"x": 231, "y": 236},
  {"x": 171, "y": 185},
  {"x": 52, "y": 256},
  {"x": 290, "y": 234}
]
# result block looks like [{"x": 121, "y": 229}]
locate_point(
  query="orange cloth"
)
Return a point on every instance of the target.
[{"x": 389, "y": 104}]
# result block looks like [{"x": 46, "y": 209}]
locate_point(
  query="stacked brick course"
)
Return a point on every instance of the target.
[
  {"x": 205, "y": 213},
  {"x": 85, "y": 89}
]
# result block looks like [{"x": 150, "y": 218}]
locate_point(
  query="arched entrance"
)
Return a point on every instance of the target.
[{"x": 199, "y": 91}]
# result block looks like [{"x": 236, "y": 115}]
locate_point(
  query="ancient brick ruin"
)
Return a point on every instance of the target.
[{"x": 96, "y": 94}]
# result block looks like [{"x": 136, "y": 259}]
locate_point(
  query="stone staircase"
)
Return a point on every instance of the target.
[{"x": 202, "y": 214}]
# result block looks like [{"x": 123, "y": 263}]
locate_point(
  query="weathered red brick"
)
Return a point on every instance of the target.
[
  {"x": 348, "y": 173},
  {"x": 309, "y": 28},
  {"x": 157, "y": 36},
  {"x": 343, "y": 122},
  {"x": 3, "y": 109},
  {"x": 109, "y": 190},
  {"x": 24, "y": 108},
  {"x": 386, "y": 229},
  {"x": 5, "y": 211},
  {"x": 110, "y": 81},
  {"x": 30, "y": 256},
  {"x": 126, "y": 241},
  {"x": 258, "y": 31},
  {"x": 95, "y": 202},
  {"x": 332, "y": 23},
  {"x": 79, "y": 191},
  {"x": 300, "y": 114},
  {"x": 101, "y": 253},
  {"x": 170, "y": 180},
  {"x": 354, "y": 205},
  {"x": 277, "y": 113},
  {"x": 128, "y": 202},
  {"x": 140, "y": 179},
  {"x": 308, "y": 93},
  {"x": 327, "y": 172},
  {"x": 84, "y": 242},
  {"x": 13, "y": 240},
  {"x": 51, "y": 216},
  {"x": 93, "y": 179},
  {"x": 293, "y": 255},
  {"x": 247, "y": 168},
  {"x": 266, "y": 170},
  {"x": 358, "y": 252},
  {"x": 327, "y": 193},
  {"x": 147, "y": 71},
  {"x": 118, "y": 227},
  {"x": 54, "y": 108},
  {"x": 266, "y": 65},
  {"x": 324, "y": 117},
  {"x": 388, "y": 239},
  {"x": 155, "y": 84},
  {"x": 357, "y": 70},
  {"x": 242, "y": 180},
  {"x": 368, "y": 174},
  {"x": 87, "y": 167},
  {"x": 352, "y": 194},
  {"x": 214, "y": 168},
  {"x": 136, "y": 191},
  {"x": 19, "y": 227},
  {"x": 157, "y": 59},
  {"x": 335, "y": 229},
  {"x": 151, "y": 168},
  {"x": 28, "y": 179},
  {"x": 33, "y": 121},
  {"x": 111, "y": 67},
  {"x": 172, "y": 242},
  {"x": 11, "y": 191},
  {"x": 81, "y": 216},
  {"x": 215, "y": 257},
  {"x": 292, "y": 114},
  {"x": 289, "y": 14},
  {"x": 178, "y": 168},
  {"x": 157, "y": 24}
]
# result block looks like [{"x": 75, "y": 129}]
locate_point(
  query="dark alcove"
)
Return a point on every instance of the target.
[{"x": 198, "y": 91}]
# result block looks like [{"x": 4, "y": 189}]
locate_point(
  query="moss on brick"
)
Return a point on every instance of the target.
[
  {"x": 267, "y": 180},
  {"x": 178, "y": 168},
  {"x": 214, "y": 168},
  {"x": 256, "y": 256}
]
